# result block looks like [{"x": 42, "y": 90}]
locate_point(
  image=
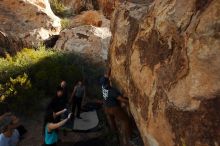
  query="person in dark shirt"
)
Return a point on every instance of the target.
[
  {"x": 76, "y": 98},
  {"x": 63, "y": 85},
  {"x": 57, "y": 103},
  {"x": 112, "y": 98}
]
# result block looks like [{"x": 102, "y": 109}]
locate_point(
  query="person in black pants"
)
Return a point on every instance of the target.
[{"x": 77, "y": 97}]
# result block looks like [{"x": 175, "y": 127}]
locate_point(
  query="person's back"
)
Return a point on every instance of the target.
[
  {"x": 9, "y": 141},
  {"x": 50, "y": 137},
  {"x": 57, "y": 103},
  {"x": 110, "y": 97},
  {"x": 80, "y": 89}
]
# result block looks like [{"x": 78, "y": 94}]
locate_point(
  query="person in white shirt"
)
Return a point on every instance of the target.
[{"x": 9, "y": 135}]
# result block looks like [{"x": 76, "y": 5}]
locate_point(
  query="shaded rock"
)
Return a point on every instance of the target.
[
  {"x": 26, "y": 22},
  {"x": 88, "y": 41},
  {"x": 164, "y": 57},
  {"x": 50, "y": 42}
]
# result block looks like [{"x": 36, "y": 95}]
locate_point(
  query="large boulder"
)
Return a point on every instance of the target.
[
  {"x": 88, "y": 41},
  {"x": 26, "y": 23},
  {"x": 164, "y": 55}
]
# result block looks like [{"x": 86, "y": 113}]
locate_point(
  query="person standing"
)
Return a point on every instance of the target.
[
  {"x": 63, "y": 85},
  {"x": 112, "y": 100},
  {"x": 76, "y": 98},
  {"x": 57, "y": 103}
]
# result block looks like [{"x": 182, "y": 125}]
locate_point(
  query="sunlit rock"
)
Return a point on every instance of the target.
[
  {"x": 88, "y": 41},
  {"x": 164, "y": 55},
  {"x": 26, "y": 22}
]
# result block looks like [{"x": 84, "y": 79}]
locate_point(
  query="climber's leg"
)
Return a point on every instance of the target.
[
  {"x": 111, "y": 119},
  {"x": 126, "y": 127}
]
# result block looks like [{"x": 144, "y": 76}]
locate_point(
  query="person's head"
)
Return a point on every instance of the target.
[
  {"x": 80, "y": 83},
  {"x": 6, "y": 125},
  {"x": 59, "y": 91},
  {"x": 49, "y": 118},
  {"x": 63, "y": 84}
]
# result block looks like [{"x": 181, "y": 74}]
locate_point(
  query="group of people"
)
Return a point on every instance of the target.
[
  {"x": 57, "y": 113},
  {"x": 56, "y": 116}
]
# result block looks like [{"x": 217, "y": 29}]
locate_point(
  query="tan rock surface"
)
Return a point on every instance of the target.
[
  {"x": 27, "y": 22},
  {"x": 164, "y": 57},
  {"x": 88, "y": 41}
]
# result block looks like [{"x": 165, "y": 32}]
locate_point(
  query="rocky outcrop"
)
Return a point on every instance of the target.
[
  {"x": 26, "y": 23},
  {"x": 88, "y": 41},
  {"x": 164, "y": 57}
]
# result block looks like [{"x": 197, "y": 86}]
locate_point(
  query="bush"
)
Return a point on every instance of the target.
[
  {"x": 65, "y": 23},
  {"x": 58, "y": 8},
  {"x": 34, "y": 74},
  {"x": 14, "y": 92}
]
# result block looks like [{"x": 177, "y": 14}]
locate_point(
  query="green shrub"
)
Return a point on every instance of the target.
[
  {"x": 65, "y": 23},
  {"x": 15, "y": 90},
  {"x": 34, "y": 74},
  {"x": 58, "y": 8}
]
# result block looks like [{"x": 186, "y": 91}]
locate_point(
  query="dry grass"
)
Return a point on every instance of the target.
[{"x": 88, "y": 18}]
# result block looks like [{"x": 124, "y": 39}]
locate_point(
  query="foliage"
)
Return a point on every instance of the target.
[
  {"x": 58, "y": 8},
  {"x": 65, "y": 23},
  {"x": 16, "y": 92},
  {"x": 34, "y": 74}
]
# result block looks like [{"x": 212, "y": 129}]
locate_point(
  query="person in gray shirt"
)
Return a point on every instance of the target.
[{"x": 76, "y": 98}]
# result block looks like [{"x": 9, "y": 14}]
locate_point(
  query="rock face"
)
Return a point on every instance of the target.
[
  {"x": 164, "y": 55},
  {"x": 88, "y": 41},
  {"x": 26, "y": 23}
]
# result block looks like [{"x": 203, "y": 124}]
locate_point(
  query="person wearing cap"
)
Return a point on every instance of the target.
[
  {"x": 9, "y": 135},
  {"x": 4, "y": 115}
]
